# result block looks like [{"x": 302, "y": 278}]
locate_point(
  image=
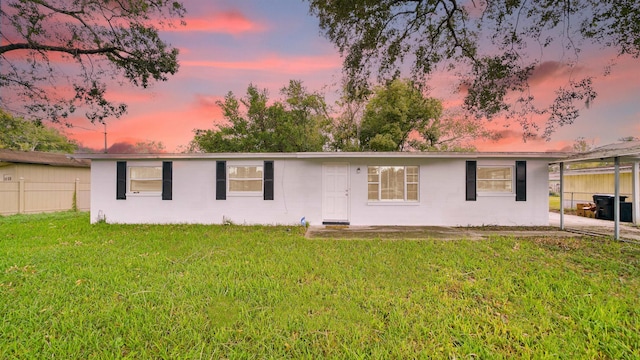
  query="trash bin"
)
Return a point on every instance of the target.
[
  {"x": 626, "y": 212},
  {"x": 605, "y": 205}
]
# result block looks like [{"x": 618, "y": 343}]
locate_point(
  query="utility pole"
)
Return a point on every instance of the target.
[{"x": 105, "y": 137}]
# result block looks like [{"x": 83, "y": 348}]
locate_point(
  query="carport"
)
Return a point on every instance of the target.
[{"x": 628, "y": 152}]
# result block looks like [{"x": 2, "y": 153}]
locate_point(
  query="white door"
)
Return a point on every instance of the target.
[{"x": 335, "y": 193}]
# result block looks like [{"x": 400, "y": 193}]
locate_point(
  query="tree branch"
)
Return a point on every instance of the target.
[{"x": 72, "y": 51}]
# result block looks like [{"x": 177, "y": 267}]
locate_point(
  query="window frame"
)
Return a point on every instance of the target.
[
  {"x": 405, "y": 184},
  {"x": 511, "y": 181},
  {"x": 229, "y": 179},
  {"x": 130, "y": 179}
]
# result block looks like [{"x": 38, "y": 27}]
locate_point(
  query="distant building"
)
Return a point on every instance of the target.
[
  {"x": 34, "y": 182},
  {"x": 581, "y": 184}
]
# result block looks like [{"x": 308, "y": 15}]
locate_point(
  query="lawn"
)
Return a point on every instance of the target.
[
  {"x": 554, "y": 202},
  {"x": 69, "y": 289}
]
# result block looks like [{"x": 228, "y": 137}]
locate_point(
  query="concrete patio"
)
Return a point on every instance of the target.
[{"x": 576, "y": 226}]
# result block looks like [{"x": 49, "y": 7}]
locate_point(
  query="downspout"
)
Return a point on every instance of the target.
[
  {"x": 635, "y": 192},
  {"x": 616, "y": 200},
  {"x": 561, "y": 196}
]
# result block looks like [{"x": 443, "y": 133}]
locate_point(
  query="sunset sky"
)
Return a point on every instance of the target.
[{"x": 228, "y": 44}]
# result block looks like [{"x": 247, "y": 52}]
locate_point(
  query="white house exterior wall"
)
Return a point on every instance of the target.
[
  {"x": 442, "y": 197},
  {"x": 298, "y": 194}
]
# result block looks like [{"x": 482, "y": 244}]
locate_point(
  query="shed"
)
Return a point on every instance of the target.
[
  {"x": 369, "y": 188},
  {"x": 33, "y": 182}
]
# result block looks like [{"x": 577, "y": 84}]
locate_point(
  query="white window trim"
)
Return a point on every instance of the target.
[
  {"x": 142, "y": 193},
  {"x": 244, "y": 193},
  {"x": 511, "y": 193},
  {"x": 395, "y": 201}
]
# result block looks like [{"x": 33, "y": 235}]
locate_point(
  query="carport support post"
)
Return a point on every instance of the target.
[
  {"x": 635, "y": 192},
  {"x": 561, "y": 196},
  {"x": 616, "y": 200}
]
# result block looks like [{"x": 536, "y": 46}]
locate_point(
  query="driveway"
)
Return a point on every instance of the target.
[{"x": 595, "y": 226}]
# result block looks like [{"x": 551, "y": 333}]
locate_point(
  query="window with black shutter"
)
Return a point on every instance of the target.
[
  {"x": 521, "y": 181},
  {"x": 471, "y": 180},
  {"x": 167, "y": 175},
  {"x": 268, "y": 180},
  {"x": 221, "y": 180},
  {"x": 121, "y": 180}
]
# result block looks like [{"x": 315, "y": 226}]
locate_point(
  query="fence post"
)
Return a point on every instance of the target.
[
  {"x": 74, "y": 205},
  {"x": 21, "y": 195},
  {"x": 572, "y": 206}
]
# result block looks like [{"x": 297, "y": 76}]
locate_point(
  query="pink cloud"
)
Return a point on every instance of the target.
[
  {"x": 274, "y": 62},
  {"x": 207, "y": 104},
  {"x": 226, "y": 22},
  {"x": 511, "y": 140},
  {"x": 174, "y": 128}
]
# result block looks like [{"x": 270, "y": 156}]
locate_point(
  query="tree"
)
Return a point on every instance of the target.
[
  {"x": 24, "y": 135},
  {"x": 298, "y": 123},
  {"x": 394, "y": 112},
  {"x": 454, "y": 132},
  {"x": 398, "y": 117},
  {"x": 140, "y": 147},
  {"x": 103, "y": 40},
  {"x": 345, "y": 130},
  {"x": 494, "y": 47},
  {"x": 581, "y": 144}
]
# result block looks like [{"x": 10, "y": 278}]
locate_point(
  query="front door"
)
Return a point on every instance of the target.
[{"x": 335, "y": 193}]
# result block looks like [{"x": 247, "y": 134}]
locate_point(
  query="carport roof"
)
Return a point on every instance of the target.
[{"x": 625, "y": 151}]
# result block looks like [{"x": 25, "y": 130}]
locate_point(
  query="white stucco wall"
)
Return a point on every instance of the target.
[{"x": 298, "y": 193}]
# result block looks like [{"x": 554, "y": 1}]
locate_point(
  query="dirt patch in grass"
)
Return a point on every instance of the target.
[
  {"x": 559, "y": 243},
  {"x": 389, "y": 232},
  {"x": 432, "y": 232}
]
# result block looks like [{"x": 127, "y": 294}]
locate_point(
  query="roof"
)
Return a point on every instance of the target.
[
  {"x": 42, "y": 158},
  {"x": 550, "y": 156},
  {"x": 625, "y": 151},
  {"x": 590, "y": 171}
]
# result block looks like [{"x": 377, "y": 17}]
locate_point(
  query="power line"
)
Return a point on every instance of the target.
[{"x": 104, "y": 132}]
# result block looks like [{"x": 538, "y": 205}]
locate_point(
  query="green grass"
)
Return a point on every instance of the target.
[
  {"x": 69, "y": 289},
  {"x": 554, "y": 202}
]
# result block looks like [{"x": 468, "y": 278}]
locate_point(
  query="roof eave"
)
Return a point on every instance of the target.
[{"x": 327, "y": 155}]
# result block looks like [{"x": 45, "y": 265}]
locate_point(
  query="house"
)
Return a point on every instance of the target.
[
  {"x": 34, "y": 182},
  {"x": 370, "y": 188}
]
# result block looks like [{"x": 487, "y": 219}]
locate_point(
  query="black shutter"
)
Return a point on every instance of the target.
[
  {"x": 167, "y": 172},
  {"x": 221, "y": 180},
  {"x": 471, "y": 180},
  {"x": 268, "y": 180},
  {"x": 521, "y": 181},
  {"x": 121, "y": 180}
]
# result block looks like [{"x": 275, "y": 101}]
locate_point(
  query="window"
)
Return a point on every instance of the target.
[
  {"x": 245, "y": 179},
  {"x": 145, "y": 179},
  {"x": 495, "y": 179},
  {"x": 392, "y": 183},
  {"x": 250, "y": 180}
]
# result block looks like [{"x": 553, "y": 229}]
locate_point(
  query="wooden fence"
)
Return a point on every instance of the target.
[{"x": 25, "y": 197}]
